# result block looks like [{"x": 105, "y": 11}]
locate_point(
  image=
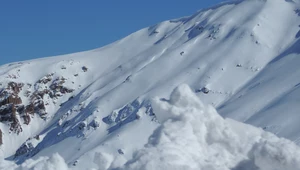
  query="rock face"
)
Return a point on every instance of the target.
[
  {"x": 10, "y": 104},
  {"x": 14, "y": 112}
]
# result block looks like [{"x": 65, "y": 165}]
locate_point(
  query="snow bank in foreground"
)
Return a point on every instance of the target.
[
  {"x": 43, "y": 163},
  {"x": 194, "y": 136}
]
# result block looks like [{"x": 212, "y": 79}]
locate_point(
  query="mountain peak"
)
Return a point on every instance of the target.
[{"x": 241, "y": 57}]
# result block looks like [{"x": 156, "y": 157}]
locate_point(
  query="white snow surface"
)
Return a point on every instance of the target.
[
  {"x": 242, "y": 57},
  {"x": 193, "y": 136}
]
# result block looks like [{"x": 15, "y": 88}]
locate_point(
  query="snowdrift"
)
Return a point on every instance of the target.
[{"x": 195, "y": 136}]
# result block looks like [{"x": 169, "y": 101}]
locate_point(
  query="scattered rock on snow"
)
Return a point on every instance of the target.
[
  {"x": 95, "y": 124},
  {"x": 205, "y": 90},
  {"x": 84, "y": 69},
  {"x": 120, "y": 151},
  {"x": 82, "y": 125},
  {"x": 75, "y": 163}
]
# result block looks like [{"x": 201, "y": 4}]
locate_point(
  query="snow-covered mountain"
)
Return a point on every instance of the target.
[{"x": 96, "y": 108}]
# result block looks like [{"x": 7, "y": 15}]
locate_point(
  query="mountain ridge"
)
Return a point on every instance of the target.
[{"x": 229, "y": 55}]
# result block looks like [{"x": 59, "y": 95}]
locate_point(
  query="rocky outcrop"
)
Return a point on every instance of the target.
[
  {"x": 46, "y": 79},
  {"x": 11, "y": 99},
  {"x": 57, "y": 87},
  {"x": 128, "y": 113},
  {"x": 13, "y": 110},
  {"x": 10, "y": 103}
]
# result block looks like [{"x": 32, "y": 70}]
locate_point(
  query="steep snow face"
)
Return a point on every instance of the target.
[
  {"x": 192, "y": 135},
  {"x": 242, "y": 57}
]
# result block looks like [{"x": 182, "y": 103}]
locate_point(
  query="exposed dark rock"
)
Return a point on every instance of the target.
[
  {"x": 95, "y": 124},
  {"x": 8, "y": 114},
  {"x": 39, "y": 108},
  {"x": 12, "y": 99},
  {"x": 127, "y": 79},
  {"x": 20, "y": 108},
  {"x": 120, "y": 151},
  {"x": 200, "y": 28},
  {"x": 15, "y": 87},
  {"x": 12, "y": 76},
  {"x": 205, "y": 90},
  {"x": 25, "y": 148},
  {"x": 16, "y": 126},
  {"x": 5, "y": 110},
  {"x": 138, "y": 116},
  {"x": 57, "y": 87},
  {"x": 1, "y": 141},
  {"x": 12, "y": 105},
  {"x": 84, "y": 68},
  {"x": 30, "y": 109},
  {"x": 46, "y": 79},
  {"x": 37, "y": 105},
  {"x": 64, "y": 90},
  {"x": 70, "y": 98},
  {"x": 82, "y": 125},
  {"x": 26, "y": 119}
]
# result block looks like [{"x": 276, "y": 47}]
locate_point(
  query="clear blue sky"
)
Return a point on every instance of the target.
[{"x": 39, "y": 28}]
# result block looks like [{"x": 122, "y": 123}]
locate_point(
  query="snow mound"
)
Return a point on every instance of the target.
[
  {"x": 42, "y": 163},
  {"x": 194, "y": 136},
  {"x": 45, "y": 163}
]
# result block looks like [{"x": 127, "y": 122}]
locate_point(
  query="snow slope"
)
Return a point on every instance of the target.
[
  {"x": 242, "y": 57},
  {"x": 191, "y": 136}
]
